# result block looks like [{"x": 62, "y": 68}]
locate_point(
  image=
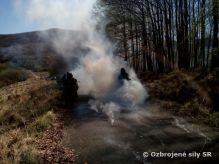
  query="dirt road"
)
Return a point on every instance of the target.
[{"x": 145, "y": 130}]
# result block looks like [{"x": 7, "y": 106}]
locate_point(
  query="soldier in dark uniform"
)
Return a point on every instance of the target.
[
  {"x": 123, "y": 76},
  {"x": 70, "y": 87}
]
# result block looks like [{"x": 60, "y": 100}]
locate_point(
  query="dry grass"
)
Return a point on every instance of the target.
[
  {"x": 10, "y": 74},
  {"x": 187, "y": 94},
  {"x": 17, "y": 147},
  {"x": 41, "y": 124},
  {"x": 26, "y": 111}
]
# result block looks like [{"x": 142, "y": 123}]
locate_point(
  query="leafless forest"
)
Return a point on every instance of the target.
[{"x": 163, "y": 35}]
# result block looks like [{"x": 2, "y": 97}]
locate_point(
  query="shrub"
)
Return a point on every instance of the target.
[{"x": 10, "y": 74}]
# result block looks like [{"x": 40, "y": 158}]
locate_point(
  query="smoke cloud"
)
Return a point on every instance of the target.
[{"x": 97, "y": 69}]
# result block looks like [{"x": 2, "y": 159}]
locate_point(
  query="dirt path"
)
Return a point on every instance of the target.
[{"x": 147, "y": 130}]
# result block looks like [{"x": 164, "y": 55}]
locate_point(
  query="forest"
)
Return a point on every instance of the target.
[{"x": 164, "y": 35}]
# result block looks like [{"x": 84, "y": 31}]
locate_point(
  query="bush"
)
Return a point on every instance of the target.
[{"x": 10, "y": 74}]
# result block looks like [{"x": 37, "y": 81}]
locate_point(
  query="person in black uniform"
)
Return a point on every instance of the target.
[
  {"x": 70, "y": 88},
  {"x": 123, "y": 76}
]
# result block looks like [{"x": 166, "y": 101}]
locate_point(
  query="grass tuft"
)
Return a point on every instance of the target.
[{"x": 42, "y": 123}]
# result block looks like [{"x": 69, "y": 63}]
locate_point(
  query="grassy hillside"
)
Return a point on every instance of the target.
[
  {"x": 26, "y": 111},
  {"x": 188, "y": 94},
  {"x": 47, "y": 50}
]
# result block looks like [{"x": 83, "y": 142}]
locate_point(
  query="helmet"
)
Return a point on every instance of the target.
[{"x": 123, "y": 70}]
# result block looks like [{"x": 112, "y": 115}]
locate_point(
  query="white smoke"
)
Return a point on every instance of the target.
[
  {"x": 111, "y": 109},
  {"x": 98, "y": 70},
  {"x": 132, "y": 91}
]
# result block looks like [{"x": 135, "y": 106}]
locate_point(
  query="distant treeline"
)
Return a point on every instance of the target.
[{"x": 162, "y": 35}]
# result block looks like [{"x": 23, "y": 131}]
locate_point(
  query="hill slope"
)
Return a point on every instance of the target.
[
  {"x": 26, "y": 112},
  {"x": 43, "y": 50}
]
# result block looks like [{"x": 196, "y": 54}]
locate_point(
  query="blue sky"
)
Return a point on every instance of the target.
[
  {"x": 18, "y": 16},
  {"x": 11, "y": 21}
]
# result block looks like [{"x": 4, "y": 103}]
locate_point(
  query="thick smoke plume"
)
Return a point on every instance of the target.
[{"x": 97, "y": 69}]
